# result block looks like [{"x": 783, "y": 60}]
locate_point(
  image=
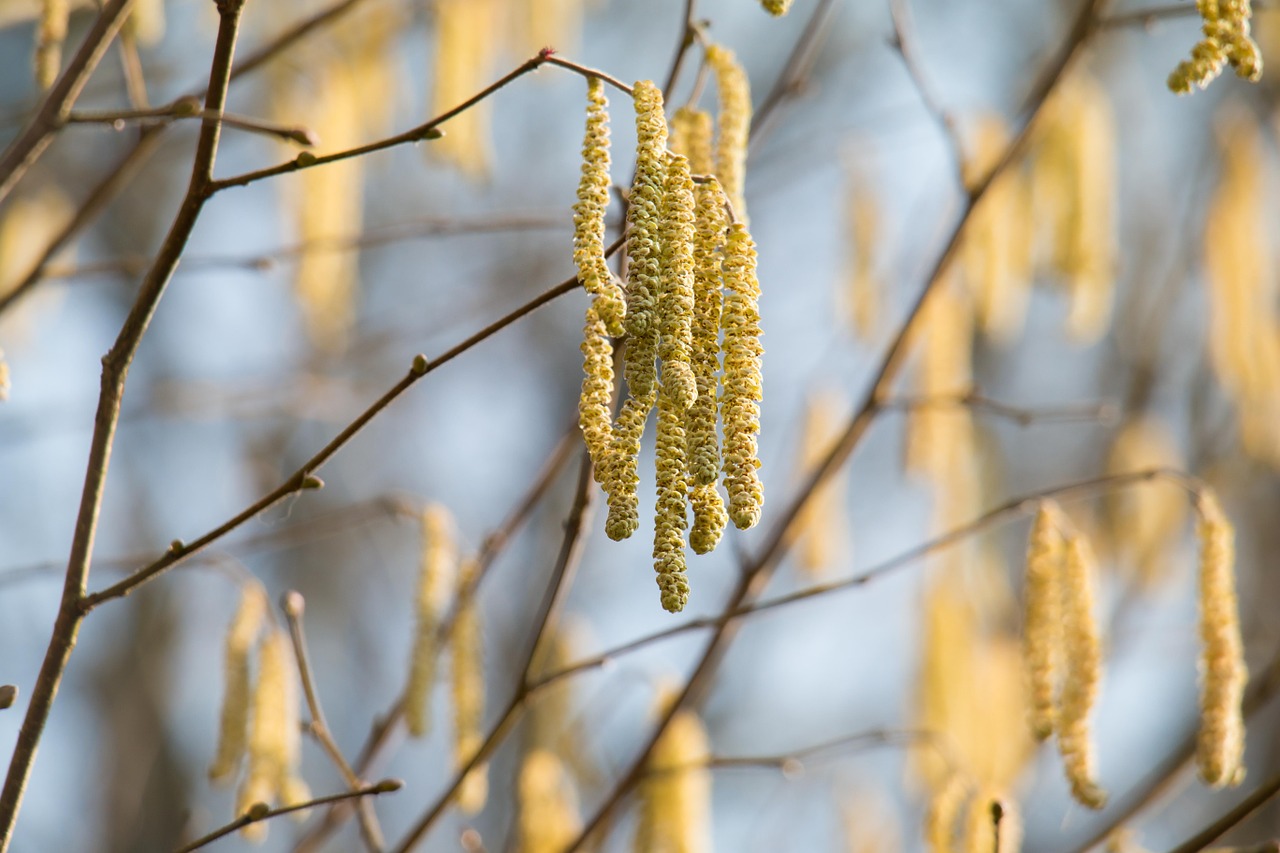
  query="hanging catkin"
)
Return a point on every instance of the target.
[
  {"x": 1144, "y": 519},
  {"x": 1220, "y": 745},
  {"x": 1227, "y": 40},
  {"x": 242, "y": 633},
  {"x": 1083, "y": 672},
  {"x": 822, "y": 525},
  {"x": 670, "y": 518},
  {"x": 436, "y": 577},
  {"x": 464, "y": 52},
  {"x": 595, "y": 410},
  {"x": 734, "y": 126},
  {"x": 643, "y": 286},
  {"x": 704, "y": 448},
  {"x": 589, "y": 213},
  {"x": 777, "y": 8},
  {"x": 50, "y": 34},
  {"x": 740, "y": 406},
  {"x": 468, "y": 698},
  {"x": 1042, "y": 628},
  {"x": 675, "y": 294}
]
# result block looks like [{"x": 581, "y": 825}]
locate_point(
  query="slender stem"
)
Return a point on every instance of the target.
[
  {"x": 799, "y": 64},
  {"x": 32, "y": 142},
  {"x": 181, "y": 109},
  {"x": 1022, "y": 416},
  {"x": 297, "y": 481},
  {"x": 585, "y": 71},
  {"x": 757, "y": 572},
  {"x": 1222, "y": 825},
  {"x": 294, "y": 605},
  {"x": 905, "y": 42},
  {"x": 386, "y": 786},
  {"x": 688, "y": 34},
  {"x": 115, "y": 371}
]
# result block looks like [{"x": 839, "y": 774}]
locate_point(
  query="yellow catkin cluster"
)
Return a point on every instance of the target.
[
  {"x": 1227, "y": 41},
  {"x": 1042, "y": 624},
  {"x": 743, "y": 382},
  {"x": 1240, "y": 272},
  {"x": 708, "y": 309},
  {"x": 274, "y": 734},
  {"x": 643, "y": 287},
  {"x": 1082, "y": 652},
  {"x": 734, "y": 126},
  {"x": 436, "y": 578},
  {"x": 589, "y": 213},
  {"x": 465, "y": 50},
  {"x": 996, "y": 254},
  {"x": 50, "y": 34},
  {"x": 675, "y": 797},
  {"x": 1074, "y": 188},
  {"x": 328, "y": 206},
  {"x": 1144, "y": 519},
  {"x": 468, "y": 700},
  {"x": 670, "y": 518},
  {"x": 823, "y": 524},
  {"x": 675, "y": 294},
  {"x": 777, "y": 8},
  {"x": 549, "y": 819},
  {"x": 233, "y": 725},
  {"x": 1220, "y": 745}
]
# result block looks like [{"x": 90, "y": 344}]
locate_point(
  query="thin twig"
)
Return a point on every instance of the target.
[
  {"x": 553, "y": 59},
  {"x": 386, "y": 786},
  {"x": 115, "y": 369},
  {"x": 48, "y": 120},
  {"x": 1084, "y": 413},
  {"x": 688, "y": 32},
  {"x": 799, "y": 63},
  {"x": 297, "y": 481},
  {"x": 184, "y": 109},
  {"x": 905, "y": 43},
  {"x": 757, "y": 572},
  {"x": 294, "y": 605}
]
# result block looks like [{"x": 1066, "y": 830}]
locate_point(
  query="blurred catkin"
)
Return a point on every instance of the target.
[
  {"x": 777, "y": 8},
  {"x": 995, "y": 259},
  {"x": 589, "y": 214},
  {"x": 1240, "y": 273},
  {"x": 943, "y": 812},
  {"x": 743, "y": 384},
  {"x": 468, "y": 697},
  {"x": 539, "y": 24},
  {"x": 465, "y": 50},
  {"x": 549, "y": 819},
  {"x": 437, "y": 575},
  {"x": 1042, "y": 628},
  {"x": 863, "y": 288},
  {"x": 233, "y": 725},
  {"x": 1220, "y": 745},
  {"x": 1083, "y": 672},
  {"x": 1074, "y": 190},
  {"x": 1144, "y": 519},
  {"x": 51, "y": 32},
  {"x": 675, "y": 796},
  {"x": 734, "y": 126},
  {"x": 274, "y": 731},
  {"x": 980, "y": 824},
  {"x": 823, "y": 525}
]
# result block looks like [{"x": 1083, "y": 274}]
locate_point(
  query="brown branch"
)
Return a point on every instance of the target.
[
  {"x": 49, "y": 119},
  {"x": 688, "y": 34},
  {"x": 757, "y": 572},
  {"x": 1085, "y": 413},
  {"x": 254, "y": 815},
  {"x": 115, "y": 369},
  {"x": 799, "y": 63},
  {"x": 185, "y": 108},
  {"x": 584, "y": 71},
  {"x": 293, "y": 605}
]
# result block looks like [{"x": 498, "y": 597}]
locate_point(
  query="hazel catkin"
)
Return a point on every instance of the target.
[
  {"x": 675, "y": 294},
  {"x": 704, "y": 444},
  {"x": 234, "y": 718},
  {"x": 1042, "y": 628},
  {"x": 740, "y": 406},
  {"x": 734, "y": 126},
  {"x": 468, "y": 698},
  {"x": 1220, "y": 743},
  {"x": 595, "y": 411},
  {"x": 589, "y": 213},
  {"x": 436, "y": 578},
  {"x": 670, "y": 517}
]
